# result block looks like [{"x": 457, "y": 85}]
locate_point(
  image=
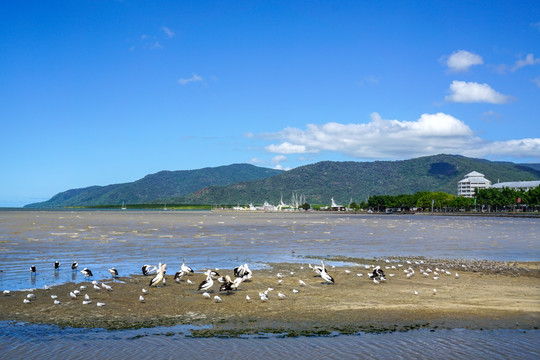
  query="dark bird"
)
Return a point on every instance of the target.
[
  {"x": 33, "y": 269},
  {"x": 148, "y": 269},
  {"x": 113, "y": 272},
  {"x": 56, "y": 265},
  {"x": 74, "y": 265}
]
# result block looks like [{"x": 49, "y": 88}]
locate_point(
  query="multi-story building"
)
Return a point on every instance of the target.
[{"x": 472, "y": 181}]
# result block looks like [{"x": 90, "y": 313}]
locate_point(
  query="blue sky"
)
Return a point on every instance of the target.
[{"x": 100, "y": 92}]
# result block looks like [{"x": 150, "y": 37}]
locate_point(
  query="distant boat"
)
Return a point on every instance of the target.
[
  {"x": 123, "y": 206},
  {"x": 165, "y": 207}
]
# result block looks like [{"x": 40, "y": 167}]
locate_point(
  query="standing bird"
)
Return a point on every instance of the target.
[
  {"x": 86, "y": 272},
  {"x": 207, "y": 283},
  {"x": 186, "y": 269},
  {"x": 33, "y": 269},
  {"x": 160, "y": 275},
  {"x": 325, "y": 275},
  {"x": 74, "y": 265},
  {"x": 178, "y": 276},
  {"x": 228, "y": 285},
  {"x": 114, "y": 272},
  {"x": 141, "y": 298},
  {"x": 57, "y": 265}
]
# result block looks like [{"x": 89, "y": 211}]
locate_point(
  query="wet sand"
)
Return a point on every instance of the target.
[{"x": 484, "y": 296}]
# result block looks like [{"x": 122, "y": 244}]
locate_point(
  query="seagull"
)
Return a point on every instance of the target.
[
  {"x": 31, "y": 296},
  {"x": 86, "y": 272},
  {"x": 56, "y": 265},
  {"x": 141, "y": 298},
  {"x": 33, "y": 269},
  {"x": 207, "y": 283},
  {"x": 144, "y": 291},
  {"x": 217, "y": 299},
  {"x": 148, "y": 269},
  {"x": 86, "y": 297},
  {"x": 26, "y": 301},
  {"x": 248, "y": 299},
  {"x": 106, "y": 287},
  {"x": 83, "y": 287},
  {"x": 113, "y": 272},
  {"x": 295, "y": 291},
  {"x": 206, "y": 295},
  {"x": 72, "y": 295},
  {"x": 7, "y": 292},
  {"x": 302, "y": 283},
  {"x": 189, "y": 281},
  {"x": 415, "y": 292},
  {"x": 56, "y": 302},
  {"x": 77, "y": 292},
  {"x": 186, "y": 268},
  {"x": 263, "y": 297},
  {"x": 434, "y": 291},
  {"x": 86, "y": 302},
  {"x": 74, "y": 265},
  {"x": 281, "y": 296},
  {"x": 100, "y": 304},
  {"x": 457, "y": 275},
  {"x": 97, "y": 287}
]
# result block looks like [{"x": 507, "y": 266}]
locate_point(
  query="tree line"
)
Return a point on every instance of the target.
[{"x": 491, "y": 199}]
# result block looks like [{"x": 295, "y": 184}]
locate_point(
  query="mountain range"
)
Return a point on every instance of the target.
[{"x": 241, "y": 184}]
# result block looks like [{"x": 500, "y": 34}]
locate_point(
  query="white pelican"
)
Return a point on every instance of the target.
[
  {"x": 228, "y": 285},
  {"x": 114, "y": 272},
  {"x": 217, "y": 299},
  {"x": 141, "y": 298},
  {"x": 317, "y": 269},
  {"x": 74, "y": 265},
  {"x": 148, "y": 269},
  {"x": 86, "y": 272},
  {"x": 207, "y": 283},
  {"x": 326, "y": 277},
  {"x": 159, "y": 276},
  {"x": 186, "y": 268},
  {"x": 100, "y": 304},
  {"x": 178, "y": 276},
  {"x": 33, "y": 269},
  {"x": 238, "y": 281},
  {"x": 243, "y": 271}
]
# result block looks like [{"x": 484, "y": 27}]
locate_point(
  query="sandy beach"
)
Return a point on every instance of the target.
[{"x": 484, "y": 295}]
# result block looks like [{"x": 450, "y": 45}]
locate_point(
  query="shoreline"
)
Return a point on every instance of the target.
[{"x": 484, "y": 295}]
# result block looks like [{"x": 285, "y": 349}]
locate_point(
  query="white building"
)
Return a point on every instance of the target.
[
  {"x": 517, "y": 185},
  {"x": 472, "y": 181}
]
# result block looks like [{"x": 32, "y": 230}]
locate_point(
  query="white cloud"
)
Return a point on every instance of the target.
[
  {"x": 279, "y": 158},
  {"x": 394, "y": 139},
  {"x": 471, "y": 92},
  {"x": 536, "y": 81},
  {"x": 528, "y": 61},
  {"x": 194, "y": 78},
  {"x": 168, "y": 31},
  {"x": 462, "y": 60}
]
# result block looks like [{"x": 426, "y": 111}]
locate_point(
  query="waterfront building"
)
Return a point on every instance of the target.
[
  {"x": 517, "y": 185},
  {"x": 472, "y": 181}
]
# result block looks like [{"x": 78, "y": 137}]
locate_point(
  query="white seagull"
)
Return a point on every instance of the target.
[
  {"x": 217, "y": 299},
  {"x": 141, "y": 298}
]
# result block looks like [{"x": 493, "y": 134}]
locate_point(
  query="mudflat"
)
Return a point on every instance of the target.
[{"x": 452, "y": 294}]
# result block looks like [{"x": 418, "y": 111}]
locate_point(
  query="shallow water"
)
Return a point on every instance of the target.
[
  {"x": 37, "y": 342},
  {"x": 128, "y": 239}
]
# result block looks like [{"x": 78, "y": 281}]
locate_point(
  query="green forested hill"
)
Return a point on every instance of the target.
[
  {"x": 161, "y": 185},
  {"x": 357, "y": 180}
]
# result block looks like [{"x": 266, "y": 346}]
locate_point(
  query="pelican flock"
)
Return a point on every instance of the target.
[{"x": 228, "y": 285}]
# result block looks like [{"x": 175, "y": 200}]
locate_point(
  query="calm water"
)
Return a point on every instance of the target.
[{"x": 128, "y": 239}]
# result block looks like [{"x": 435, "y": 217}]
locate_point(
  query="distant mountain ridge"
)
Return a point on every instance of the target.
[
  {"x": 356, "y": 181},
  {"x": 161, "y": 185},
  {"x": 241, "y": 184}
]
